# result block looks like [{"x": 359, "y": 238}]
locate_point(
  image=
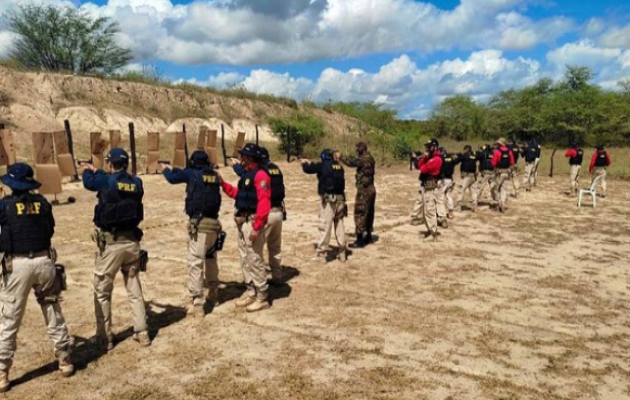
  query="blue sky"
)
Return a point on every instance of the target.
[{"x": 405, "y": 54}]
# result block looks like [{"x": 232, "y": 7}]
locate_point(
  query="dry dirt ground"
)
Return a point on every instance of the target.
[{"x": 532, "y": 304}]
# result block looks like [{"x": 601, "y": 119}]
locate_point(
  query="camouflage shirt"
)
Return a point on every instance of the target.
[{"x": 365, "y": 166}]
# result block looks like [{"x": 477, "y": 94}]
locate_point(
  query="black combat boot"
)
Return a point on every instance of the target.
[
  {"x": 359, "y": 243},
  {"x": 368, "y": 238}
]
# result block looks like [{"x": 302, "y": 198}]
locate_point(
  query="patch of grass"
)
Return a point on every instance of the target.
[
  {"x": 5, "y": 99},
  {"x": 144, "y": 392}
]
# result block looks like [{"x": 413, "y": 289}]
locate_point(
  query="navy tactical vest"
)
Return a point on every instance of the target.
[
  {"x": 531, "y": 154},
  {"x": 332, "y": 179},
  {"x": 120, "y": 203},
  {"x": 601, "y": 160},
  {"x": 27, "y": 225},
  {"x": 203, "y": 194},
  {"x": 277, "y": 184},
  {"x": 516, "y": 152},
  {"x": 469, "y": 163},
  {"x": 247, "y": 198},
  {"x": 504, "y": 161},
  {"x": 486, "y": 163},
  {"x": 448, "y": 167},
  {"x": 577, "y": 160}
]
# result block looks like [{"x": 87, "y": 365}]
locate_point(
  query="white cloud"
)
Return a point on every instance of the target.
[
  {"x": 403, "y": 85},
  {"x": 616, "y": 37},
  {"x": 257, "y": 32},
  {"x": 583, "y": 53}
]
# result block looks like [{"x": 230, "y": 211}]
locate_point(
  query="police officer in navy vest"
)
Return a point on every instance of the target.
[
  {"x": 253, "y": 205},
  {"x": 205, "y": 237},
  {"x": 575, "y": 154},
  {"x": 117, "y": 216},
  {"x": 486, "y": 173},
  {"x": 331, "y": 187},
  {"x": 277, "y": 215},
  {"x": 27, "y": 226},
  {"x": 273, "y": 229},
  {"x": 468, "y": 174}
]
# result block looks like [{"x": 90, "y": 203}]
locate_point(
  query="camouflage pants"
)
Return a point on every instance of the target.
[{"x": 364, "y": 209}]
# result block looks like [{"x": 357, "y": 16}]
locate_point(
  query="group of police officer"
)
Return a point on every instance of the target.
[
  {"x": 27, "y": 226},
  {"x": 491, "y": 166}
]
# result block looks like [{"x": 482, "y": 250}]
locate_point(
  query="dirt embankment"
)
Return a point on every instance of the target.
[{"x": 31, "y": 102}]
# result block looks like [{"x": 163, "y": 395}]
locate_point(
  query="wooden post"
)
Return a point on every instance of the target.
[
  {"x": 225, "y": 162},
  {"x": 132, "y": 144},
  {"x": 256, "y": 135}
]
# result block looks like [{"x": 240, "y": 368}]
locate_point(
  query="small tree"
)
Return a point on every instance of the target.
[
  {"x": 297, "y": 132},
  {"x": 65, "y": 39}
]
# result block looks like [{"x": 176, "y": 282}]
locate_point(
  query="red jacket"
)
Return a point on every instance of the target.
[
  {"x": 263, "y": 191},
  {"x": 430, "y": 165},
  {"x": 496, "y": 156},
  {"x": 571, "y": 153},
  {"x": 594, "y": 158}
]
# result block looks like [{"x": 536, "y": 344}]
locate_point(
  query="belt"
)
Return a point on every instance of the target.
[
  {"x": 42, "y": 253},
  {"x": 119, "y": 236}
]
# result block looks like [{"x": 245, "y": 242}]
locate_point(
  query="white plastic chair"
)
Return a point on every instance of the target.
[{"x": 590, "y": 191}]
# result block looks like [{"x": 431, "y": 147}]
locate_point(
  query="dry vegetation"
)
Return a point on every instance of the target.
[{"x": 529, "y": 305}]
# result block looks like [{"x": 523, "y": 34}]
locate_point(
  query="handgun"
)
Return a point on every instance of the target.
[
  {"x": 79, "y": 162},
  {"x": 164, "y": 162}
]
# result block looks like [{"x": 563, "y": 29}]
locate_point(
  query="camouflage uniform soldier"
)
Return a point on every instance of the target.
[
  {"x": 366, "y": 194},
  {"x": 203, "y": 203},
  {"x": 27, "y": 226},
  {"x": 117, "y": 216}
]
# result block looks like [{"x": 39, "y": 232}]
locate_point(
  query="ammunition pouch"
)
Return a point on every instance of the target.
[
  {"x": 143, "y": 260},
  {"x": 217, "y": 246},
  {"x": 430, "y": 184},
  {"x": 7, "y": 264},
  {"x": 193, "y": 227},
  {"x": 60, "y": 278}
]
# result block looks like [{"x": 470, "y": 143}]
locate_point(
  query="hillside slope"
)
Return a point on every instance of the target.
[{"x": 31, "y": 102}]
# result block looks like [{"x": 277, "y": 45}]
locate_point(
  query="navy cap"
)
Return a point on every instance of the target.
[
  {"x": 264, "y": 153},
  {"x": 117, "y": 155},
  {"x": 199, "y": 158},
  {"x": 251, "y": 150},
  {"x": 20, "y": 177}
]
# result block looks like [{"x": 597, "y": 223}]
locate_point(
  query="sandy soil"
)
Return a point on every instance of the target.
[{"x": 532, "y": 304}]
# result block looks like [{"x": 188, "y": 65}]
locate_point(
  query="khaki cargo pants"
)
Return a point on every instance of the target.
[
  {"x": 529, "y": 176},
  {"x": 574, "y": 171},
  {"x": 445, "y": 198},
  {"x": 331, "y": 215},
  {"x": 600, "y": 171},
  {"x": 198, "y": 265},
  {"x": 122, "y": 254},
  {"x": 486, "y": 179},
  {"x": 500, "y": 187},
  {"x": 251, "y": 256},
  {"x": 467, "y": 184},
  {"x": 38, "y": 274},
  {"x": 425, "y": 209},
  {"x": 273, "y": 233},
  {"x": 514, "y": 179}
]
